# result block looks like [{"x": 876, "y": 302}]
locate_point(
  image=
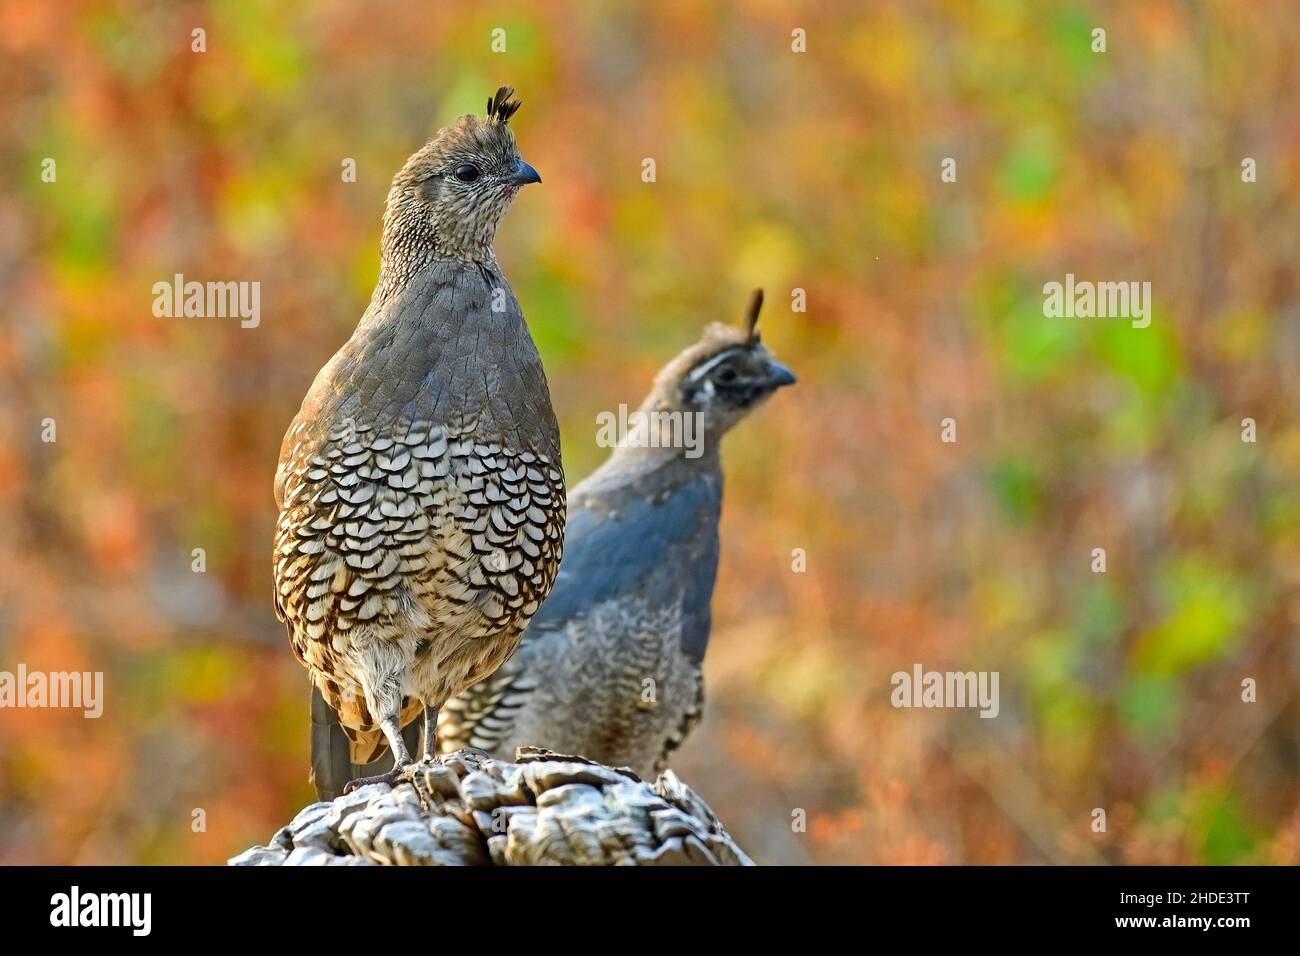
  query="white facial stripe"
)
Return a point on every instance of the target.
[{"x": 701, "y": 371}]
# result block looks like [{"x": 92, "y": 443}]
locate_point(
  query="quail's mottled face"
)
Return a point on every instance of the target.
[
  {"x": 453, "y": 192},
  {"x": 727, "y": 382},
  {"x": 722, "y": 377}
]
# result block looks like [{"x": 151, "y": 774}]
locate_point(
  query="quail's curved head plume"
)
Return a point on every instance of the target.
[{"x": 420, "y": 488}]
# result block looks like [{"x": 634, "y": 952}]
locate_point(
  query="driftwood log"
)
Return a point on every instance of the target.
[{"x": 469, "y": 809}]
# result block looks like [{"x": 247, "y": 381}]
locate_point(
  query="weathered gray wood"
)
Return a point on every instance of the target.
[{"x": 471, "y": 810}]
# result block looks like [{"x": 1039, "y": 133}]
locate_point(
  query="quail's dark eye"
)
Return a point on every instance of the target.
[
  {"x": 726, "y": 375},
  {"x": 466, "y": 172}
]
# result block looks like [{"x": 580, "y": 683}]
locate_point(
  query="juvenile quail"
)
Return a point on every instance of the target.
[
  {"x": 420, "y": 487},
  {"x": 610, "y": 668}
]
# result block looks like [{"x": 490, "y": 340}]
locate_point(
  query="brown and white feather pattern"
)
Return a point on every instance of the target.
[{"x": 416, "y": 539}]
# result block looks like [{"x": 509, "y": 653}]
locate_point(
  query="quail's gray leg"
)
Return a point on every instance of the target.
[
  {"x": 430, "y": 733},
  {"x": 401, "y": 757}
]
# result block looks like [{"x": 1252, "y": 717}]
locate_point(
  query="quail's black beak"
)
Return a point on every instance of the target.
[
  {"x": 778, "y": 375},
  {"x": 523, "y": 175}
]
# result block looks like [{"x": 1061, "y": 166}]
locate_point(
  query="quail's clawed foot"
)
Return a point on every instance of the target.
[
  {"x": 392, "y": 778},
  {"x": 403, "y": 774}
]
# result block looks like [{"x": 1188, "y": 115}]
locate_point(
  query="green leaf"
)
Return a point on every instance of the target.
[
  {"x": 1148, "y": 357},
  {"x": 1208, "y": 608},
  {"x": 1017, "y": 487},
  {"x": 1148, "y": 706},
  {"x": 1229, "y": 837},
  {"x": 1029, "y": 171},
  {"x": 1036, "y": 346}
]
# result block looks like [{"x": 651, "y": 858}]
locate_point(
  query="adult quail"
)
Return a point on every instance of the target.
[
  {"x": 420, "y": 487},
  {"x": 611, "y": 666}
]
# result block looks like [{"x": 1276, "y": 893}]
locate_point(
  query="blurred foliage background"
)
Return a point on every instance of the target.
[{"x": 817, "y": 171}]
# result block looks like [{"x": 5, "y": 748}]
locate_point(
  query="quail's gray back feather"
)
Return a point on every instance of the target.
[{"x": 435, "y": 351}]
